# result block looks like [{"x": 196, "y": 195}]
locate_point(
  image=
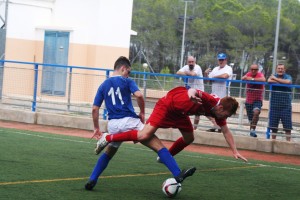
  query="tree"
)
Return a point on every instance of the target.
[{"x": 231, "y": 26}]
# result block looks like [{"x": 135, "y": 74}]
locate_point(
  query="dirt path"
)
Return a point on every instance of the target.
[{"x": 270, "y": 157}]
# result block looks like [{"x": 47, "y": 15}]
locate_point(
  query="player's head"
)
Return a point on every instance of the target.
[
  {"x": 226, "y": 108},
  {"x": 123, "y": 66}
]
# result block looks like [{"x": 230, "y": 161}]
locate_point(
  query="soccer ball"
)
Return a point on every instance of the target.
[{"x": 171, "y": 188}]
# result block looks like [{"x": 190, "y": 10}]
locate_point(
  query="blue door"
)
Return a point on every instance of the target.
[{"x": 56, "y": 49}]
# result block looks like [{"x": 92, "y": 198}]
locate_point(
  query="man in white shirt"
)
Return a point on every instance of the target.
[
  {"x": 219, "y": 88},
  {"x": 223, "y": 71},
  {"x": 192, "y": 69}
]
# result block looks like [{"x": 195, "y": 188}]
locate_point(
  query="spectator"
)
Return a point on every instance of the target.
[
  {"x": 254, "y": 96},
  {"x": 192, "y": 69},
  {"x": 281, "y": 102},
  {"x": 219, "y": 88}
]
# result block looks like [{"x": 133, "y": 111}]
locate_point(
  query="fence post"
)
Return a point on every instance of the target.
[
  {"x": 186, "y": 84},
  {"x": 104, "y": 116},
  {"x": 241, "y": 112},
  {"x": 268, "y": 127},
  {"x": 145, "y": 84},
  {"x": 69, "y": 88},
  {"x": 228, "y": 83},
  {"x": 36, "y": 70},
  {"x": 1, "y": 77}
]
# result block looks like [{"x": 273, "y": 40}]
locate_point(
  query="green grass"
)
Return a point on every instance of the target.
[{"x": 48, "y": 166}]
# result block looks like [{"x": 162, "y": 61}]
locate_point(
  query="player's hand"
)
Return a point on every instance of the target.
[
  {"x": 239, "y": 156},
  {"x": 142, "y": 117},
  {"x": 97, "y": 134},
  {"x": 196, "y": 99}
]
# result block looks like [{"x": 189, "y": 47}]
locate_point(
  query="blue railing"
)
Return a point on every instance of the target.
[{"x": 146, "y": 77}]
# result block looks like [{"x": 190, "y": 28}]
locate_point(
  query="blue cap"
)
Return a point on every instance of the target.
[{"x": 222, "y": 56}]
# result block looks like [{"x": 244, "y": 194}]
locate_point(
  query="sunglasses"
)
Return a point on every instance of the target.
[
  {"x": 254, "y": 69},
  {"x": 221, "y": 59}
]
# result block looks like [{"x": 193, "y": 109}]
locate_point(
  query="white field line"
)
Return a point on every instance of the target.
[{"x": 143, "y": 149}]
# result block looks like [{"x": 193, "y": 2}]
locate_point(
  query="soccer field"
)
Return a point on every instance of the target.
[{"x": 48, "y": 166}]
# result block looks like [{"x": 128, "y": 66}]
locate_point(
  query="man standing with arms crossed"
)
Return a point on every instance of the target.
[
  {"x": 254, "y": 96},
  {"x": 281, "y": 102}
]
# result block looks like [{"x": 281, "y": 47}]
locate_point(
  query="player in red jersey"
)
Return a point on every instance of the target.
[{"x": 173, "y": 111}]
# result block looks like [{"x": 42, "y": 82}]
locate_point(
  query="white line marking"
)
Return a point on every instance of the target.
[{"x": 143, "y": 149}]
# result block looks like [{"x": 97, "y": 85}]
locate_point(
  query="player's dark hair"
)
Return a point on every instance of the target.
[
  {"x": 230, "y": 104},
  {"x": 122, "y": 61}
]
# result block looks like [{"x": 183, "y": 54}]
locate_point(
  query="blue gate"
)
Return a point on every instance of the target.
[{"x": 56, "y": 49}]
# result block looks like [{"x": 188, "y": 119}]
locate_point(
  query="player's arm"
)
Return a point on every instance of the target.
[
  {"x": 95, "y": 116},
  {"x": 95, "y": 110},
  {"x": 229, "y": 139},
  {"x": 194, "y": 96},
  {"x": 141, "y": 103}
]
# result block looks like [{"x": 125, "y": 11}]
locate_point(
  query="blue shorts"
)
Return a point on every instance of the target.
[
  {"x": 280, "y": 113},
  {"x": 250, "y": 107}
]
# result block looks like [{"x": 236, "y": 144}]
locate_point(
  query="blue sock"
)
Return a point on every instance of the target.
[
  {"x": 100, "y": 166},
  {"x": 169, "y": 161}
]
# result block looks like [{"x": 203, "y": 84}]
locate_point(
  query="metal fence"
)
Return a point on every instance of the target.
[{"x": 24, "y": 87}]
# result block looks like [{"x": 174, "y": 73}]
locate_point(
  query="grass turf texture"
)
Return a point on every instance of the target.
[{"x": 48, "y": 166}]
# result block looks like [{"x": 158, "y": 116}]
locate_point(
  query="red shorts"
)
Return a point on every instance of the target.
[{"x": 163, "y": 117}]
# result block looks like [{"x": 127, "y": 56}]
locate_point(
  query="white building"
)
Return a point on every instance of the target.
[{"x": 92, "y": 33}]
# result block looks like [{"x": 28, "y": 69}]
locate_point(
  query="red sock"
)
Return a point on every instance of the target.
[
  {"x": 123, "y": 136},
  {"x": 177, "y": 146}
]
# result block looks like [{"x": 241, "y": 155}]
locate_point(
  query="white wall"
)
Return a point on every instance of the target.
[{"x": 96, "y": 22}]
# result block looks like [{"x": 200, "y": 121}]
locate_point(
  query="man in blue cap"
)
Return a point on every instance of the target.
[{"x": 219, "y": 87}]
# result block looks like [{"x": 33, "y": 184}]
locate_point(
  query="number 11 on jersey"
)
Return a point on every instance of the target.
[{"x": 112, "y": 94}]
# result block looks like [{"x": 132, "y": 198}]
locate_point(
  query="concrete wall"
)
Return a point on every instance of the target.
[{"x": 213, "y": 139}]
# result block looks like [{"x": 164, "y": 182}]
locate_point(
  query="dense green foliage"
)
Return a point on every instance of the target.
[{"x": 237, "y": 27}]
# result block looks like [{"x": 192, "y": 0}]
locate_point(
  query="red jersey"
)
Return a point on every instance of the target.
[
  {"x": 254, "y": 92},
  {"x": 174, "y": 109}
]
